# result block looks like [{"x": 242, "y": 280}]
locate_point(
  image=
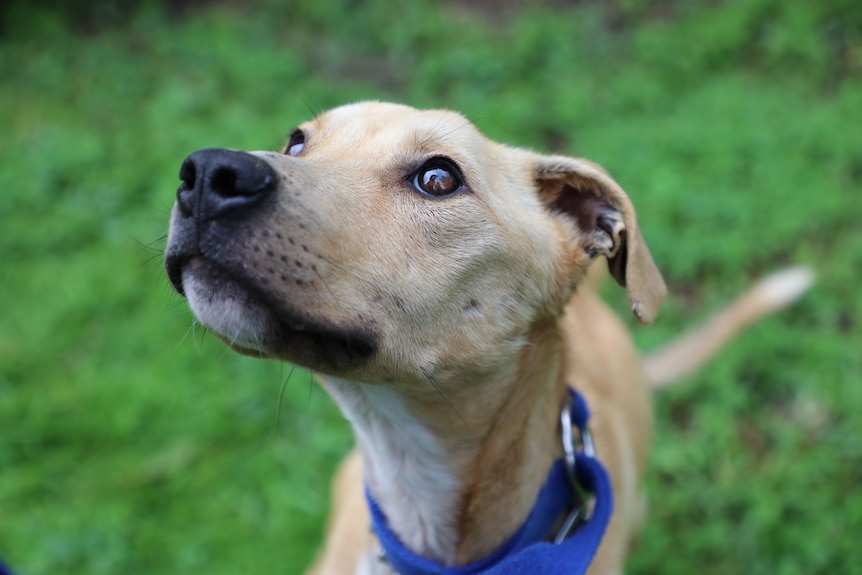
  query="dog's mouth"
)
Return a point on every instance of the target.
[
  {"x": 174, "y": 265},
  {"x": 253, "y": 322}
]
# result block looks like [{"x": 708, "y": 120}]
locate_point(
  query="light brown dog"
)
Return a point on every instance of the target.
[{"x": 436, "y": 282}]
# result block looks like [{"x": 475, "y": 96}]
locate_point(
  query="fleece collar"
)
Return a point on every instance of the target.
[{"x": 528, "y": 550}]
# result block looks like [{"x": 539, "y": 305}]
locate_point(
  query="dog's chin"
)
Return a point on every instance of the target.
[
  {"x": 228, "y": 310},
  {"x": 249, "y": 320}
]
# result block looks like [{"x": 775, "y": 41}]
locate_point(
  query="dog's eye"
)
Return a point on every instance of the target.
[
  {"x": 438, "y": 177},
  {"x": 295, "y": 144}
]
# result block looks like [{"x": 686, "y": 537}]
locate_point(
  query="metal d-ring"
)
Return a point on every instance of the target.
[
  {"x": 579, "y": 513},
  {"x": 568, "y": 439}
]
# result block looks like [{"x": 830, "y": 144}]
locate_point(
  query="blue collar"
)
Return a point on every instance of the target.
[{"x": 528, "y": 550}]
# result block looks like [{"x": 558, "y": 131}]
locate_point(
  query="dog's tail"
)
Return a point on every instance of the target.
[{"x": 686, "y": 354}]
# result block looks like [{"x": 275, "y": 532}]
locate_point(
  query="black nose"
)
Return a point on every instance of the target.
[{"x": 219, "y": 183}]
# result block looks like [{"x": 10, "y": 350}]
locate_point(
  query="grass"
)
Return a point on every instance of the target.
[{"x": 131, "y": 443}]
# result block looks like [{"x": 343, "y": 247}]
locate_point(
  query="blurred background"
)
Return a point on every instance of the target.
[{"x": 132, "y": 443}]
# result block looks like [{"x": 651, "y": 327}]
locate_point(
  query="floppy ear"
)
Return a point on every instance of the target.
[{"x": 605, "y": 219}]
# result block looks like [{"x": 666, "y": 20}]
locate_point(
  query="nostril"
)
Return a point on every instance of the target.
[
  {"x": 223, "y": 182},
  {"x": 185, "y": 193},
  {"x": 247, "y": 177},
  {"x": 188, "y": 172}
]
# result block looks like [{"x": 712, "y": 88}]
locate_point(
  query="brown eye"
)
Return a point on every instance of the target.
[
  {"x": 295, "y": 144},
  {"x": 438, "y": 177}
]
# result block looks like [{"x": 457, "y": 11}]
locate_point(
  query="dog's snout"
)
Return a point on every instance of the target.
[{"x": 219, "y": 183}]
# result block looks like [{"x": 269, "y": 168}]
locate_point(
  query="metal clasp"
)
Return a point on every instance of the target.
[{"x": 580, "y": 513}]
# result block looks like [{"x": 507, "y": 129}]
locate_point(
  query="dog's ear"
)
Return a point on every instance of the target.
[{"x": 605, "y": 220}]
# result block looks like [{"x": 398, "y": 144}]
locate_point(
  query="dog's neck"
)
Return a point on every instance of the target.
[{"x": 456, "y": 473}]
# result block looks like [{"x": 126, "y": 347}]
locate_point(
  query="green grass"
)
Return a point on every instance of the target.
[{"x": 131, "y": 444}]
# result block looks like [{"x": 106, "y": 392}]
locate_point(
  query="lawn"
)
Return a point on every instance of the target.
[{"x": 131, "y": 442}]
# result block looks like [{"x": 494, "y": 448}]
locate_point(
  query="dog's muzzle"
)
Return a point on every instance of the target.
[
  {"x": 216, "y": 259},
  {"x": 217, "y": 185}
]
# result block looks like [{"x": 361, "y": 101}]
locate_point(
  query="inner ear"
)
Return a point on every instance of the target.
[
  {"x": 602, "y": 224},
  {"x": 596, "y": 204}
]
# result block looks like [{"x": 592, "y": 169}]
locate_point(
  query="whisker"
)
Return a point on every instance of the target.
[
  {"x": 149, "y": 245},
  {"x": 204, "y": 332},
  {"x": 281, "y": 396},
  {"x": 310, "y": 388},
  {"x": 313, "y": 109},
  {"x": 156, "y": 256},
  {"x": 189, "y": 331},
  {"x": 163, "y": 209},
  {"x": 436, "y": 132},
  {"x": 439, "y": 390}
]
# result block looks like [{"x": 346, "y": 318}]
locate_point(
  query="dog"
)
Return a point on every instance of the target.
[{"x": 441, "y": 286}]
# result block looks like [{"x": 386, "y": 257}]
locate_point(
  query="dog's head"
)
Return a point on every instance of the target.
[{"x": 389, "y": 244}]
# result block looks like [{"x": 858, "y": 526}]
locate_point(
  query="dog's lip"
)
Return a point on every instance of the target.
[
  {"x": 174, "y": 265},
  {"x": 287, "y": 331}
]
